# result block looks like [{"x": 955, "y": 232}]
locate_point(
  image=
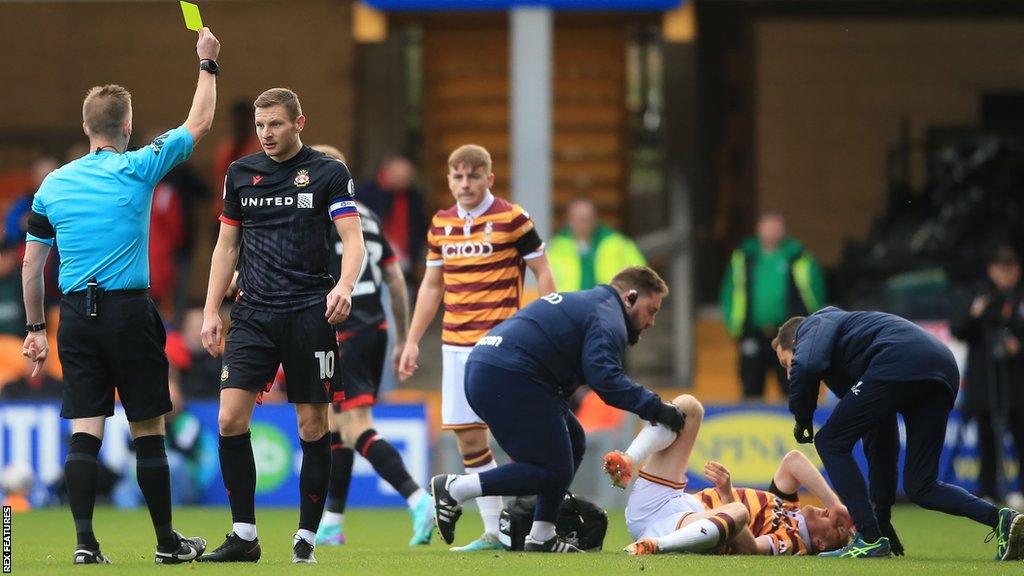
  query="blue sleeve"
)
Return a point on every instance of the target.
[
  {"x": 603, "y": 372},
  {"x": 814, "y": 342},
  {"x": 154, "y": 160},
  {"x": 38, "y": 221}
]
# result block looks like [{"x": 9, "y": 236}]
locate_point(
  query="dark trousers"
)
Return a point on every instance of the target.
[
  {"x": 990, "y": 448},
  {"x": 756, "y": 358},
  {"x": 869, "y": 410},
  {"x": 537, "y": 431}
]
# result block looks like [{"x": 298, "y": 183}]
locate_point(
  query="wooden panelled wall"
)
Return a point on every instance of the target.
[{"x": 466, "y": 98}]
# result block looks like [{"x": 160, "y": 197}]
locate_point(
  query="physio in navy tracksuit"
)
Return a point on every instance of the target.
[
  {"x": 880, "y": 365},
  {"x": 517, "y": 380}
]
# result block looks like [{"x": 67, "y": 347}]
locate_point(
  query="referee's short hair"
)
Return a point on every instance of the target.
[
  {"x": 787, "y": 333},
  {"x": 280, "y": 97},
  {"x": 105, "y": 110},
  {"x": 640, "y": 278}
]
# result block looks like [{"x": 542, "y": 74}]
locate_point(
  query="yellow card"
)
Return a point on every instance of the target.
[{"x": 193, "y": 21}]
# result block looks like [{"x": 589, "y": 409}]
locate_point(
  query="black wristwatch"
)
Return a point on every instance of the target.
[
  {"x": 35, "y": 327},
  {"x": 209, "y": 66}
]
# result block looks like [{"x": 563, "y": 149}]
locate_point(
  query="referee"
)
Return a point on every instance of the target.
[{"x": 111, "y": 338}]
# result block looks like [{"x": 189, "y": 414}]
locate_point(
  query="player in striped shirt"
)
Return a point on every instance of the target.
[
  {"x": 477, "y": 254},
  {"x": 662, "y": 518}
]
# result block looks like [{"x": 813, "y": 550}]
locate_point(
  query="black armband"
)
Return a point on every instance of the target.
[
  {"x": 529, "y": 242},
  {"x": 787, "y": 497},
  {"x": 39, "y": 226}
]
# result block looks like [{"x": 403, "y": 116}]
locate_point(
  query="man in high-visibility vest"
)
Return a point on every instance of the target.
[
  {"x": 770, "y": 278},
  {"x": 586, "y": 253}
]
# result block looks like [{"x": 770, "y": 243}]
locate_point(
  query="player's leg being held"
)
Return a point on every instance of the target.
[
  {"x": 471, "y": 434},
  {"x": 657, "y": 451},
  {"x": 387, "y": 462}
]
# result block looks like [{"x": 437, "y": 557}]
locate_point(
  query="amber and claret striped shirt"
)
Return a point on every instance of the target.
[
  {"x": 483, "y": 254},
  {"x": 771, "y": 517}
]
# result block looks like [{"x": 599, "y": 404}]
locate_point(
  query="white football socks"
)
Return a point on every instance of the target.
[
  {"x": 697, "y": 536},
  {"x": 465, "y": 487},
  {"x": 414, "y": 499},
  {"x": 307, "y": 535},
  {"x": 332, "y": 518},
  {"x": 650, "y": 440},
  {"x": 542, "y": 531},
  {"x": 244, "y": 531},
  {"x": 490, "y": 506}
]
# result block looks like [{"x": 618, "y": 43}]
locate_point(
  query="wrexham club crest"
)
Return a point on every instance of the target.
[{"x": 302, "y": 178}]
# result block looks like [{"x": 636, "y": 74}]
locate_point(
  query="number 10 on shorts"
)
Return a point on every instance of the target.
[{"x": 326, "y": 360}]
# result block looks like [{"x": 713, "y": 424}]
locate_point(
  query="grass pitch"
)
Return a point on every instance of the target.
[{"x": 43, "y": 541}]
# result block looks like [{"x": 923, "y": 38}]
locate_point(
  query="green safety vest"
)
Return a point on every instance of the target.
[
  {"x": 800, "y": 271},
  {"x": 612, "y": 253}
]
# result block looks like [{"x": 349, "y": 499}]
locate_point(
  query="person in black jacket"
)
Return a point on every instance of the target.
[
  {"x": 989, "y": 317},
  {"x": 879, "y": 365}
]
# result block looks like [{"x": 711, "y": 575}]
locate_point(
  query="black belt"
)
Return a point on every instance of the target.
[{"x": 108, "y": 293}]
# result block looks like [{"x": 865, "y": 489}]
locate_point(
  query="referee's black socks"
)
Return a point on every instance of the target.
[
  {"x": 80, "y": 479},
  {"x": 386, "y": 461},
  {"x": 314, "y": 476},
  {"x": 154, "y": 478},
  {"x": 239, "y": 469}
]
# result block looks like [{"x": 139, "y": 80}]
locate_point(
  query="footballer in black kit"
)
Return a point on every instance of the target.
[
  {"x": 278, "y": 207},
  {"x": 363, "y": 336},
  {"x": 285, "y": 212}
]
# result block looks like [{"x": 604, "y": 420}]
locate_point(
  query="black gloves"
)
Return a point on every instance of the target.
[
  {"x": 804, "y": 432},
  {"x": 885, "y": 527},
  {"x": 669, "y": 416}
]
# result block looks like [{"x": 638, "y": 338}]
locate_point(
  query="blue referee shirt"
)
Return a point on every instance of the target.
[{"x": 99, "y": 209}]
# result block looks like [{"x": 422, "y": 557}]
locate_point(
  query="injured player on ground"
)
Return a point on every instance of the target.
[{"x": 662, "y": 517}]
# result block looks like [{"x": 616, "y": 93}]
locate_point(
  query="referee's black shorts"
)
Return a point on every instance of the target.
[
  {"x": 122, "y": 349},
  {"x": 301, "y": 341}
]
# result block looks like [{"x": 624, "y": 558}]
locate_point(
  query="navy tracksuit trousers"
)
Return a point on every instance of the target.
[
  {"x": 535, "y": 428},
  {"x": 869, "y": 411}
]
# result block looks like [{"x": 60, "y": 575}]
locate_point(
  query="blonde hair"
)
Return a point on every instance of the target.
[
  {"x": 471, "y": 155},
  {"x": 105, "y": 110},
  {"x": 329, "y": 150},
  {"x": 280, "y": 97}
]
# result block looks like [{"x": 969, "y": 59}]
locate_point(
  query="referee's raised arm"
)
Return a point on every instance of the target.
[{"x": 200, "y": 116}]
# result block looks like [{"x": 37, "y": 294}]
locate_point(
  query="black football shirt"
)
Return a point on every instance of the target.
[
  {"x": 285, "y": 210},
  {"x": 367, "y": 310}
]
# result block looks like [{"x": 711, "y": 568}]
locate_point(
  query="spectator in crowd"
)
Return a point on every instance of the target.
[
  {"x": 769, "y": 279},
  {"x": 166, "y": 237},
  {"x": 192, "y": 192},
  {"x": 989, "y": 318},
  {"x": 586, "y": 252},
  {"x": 16, "y": 220},
  {"x": 12, "y": 308},
  {"x": 241, "y": 142},
  {"x": 394, "y": 197},
  {"x": 16, "y": 225}
]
